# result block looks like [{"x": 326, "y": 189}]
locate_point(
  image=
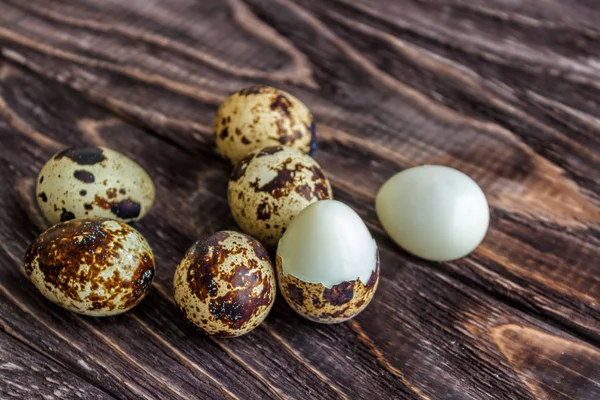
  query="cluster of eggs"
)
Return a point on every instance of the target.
[
  {"x": 91, "y": 261},
  {"x": 326, "y": 261},
  {"x": 327, "y": 264}
]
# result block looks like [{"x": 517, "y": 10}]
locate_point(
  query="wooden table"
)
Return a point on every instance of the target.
[{"x": 507, "y": 91}]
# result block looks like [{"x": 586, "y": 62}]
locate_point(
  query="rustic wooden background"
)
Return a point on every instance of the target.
[{"x": 505, "y": 90}]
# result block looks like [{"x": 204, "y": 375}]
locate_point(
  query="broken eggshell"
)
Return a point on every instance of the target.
[
  {"x": 327, "y": 263},
  {"x": 92, "y": 182},
  {"x": 225, "y": 284}
]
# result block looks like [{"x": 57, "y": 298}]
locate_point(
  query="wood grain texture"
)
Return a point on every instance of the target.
[
  {"x": 505, "y": 91},
  {"x": 28, "y": 374}
]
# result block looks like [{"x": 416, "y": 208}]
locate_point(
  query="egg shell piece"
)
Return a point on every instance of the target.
[
  {"x": 96, "y": 267},
  {"x": 328, "y": 243},
  {"x": 268, "y": 188},
  {"x": 90, "y": 182},
  {"x": 225, "y": 284},
  {"x": 325, "y": 305},
  {"x": 435, "y": 212},
  {"x": 261, "y": 116}
]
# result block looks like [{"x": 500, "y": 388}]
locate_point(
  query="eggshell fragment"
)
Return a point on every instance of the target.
[
  {"x": 269, "y": 188},
  {"x": 435, "y": 212},
  {"x": 96, "y": 267},
  {"x": 89, "y": 182},
  {"x": 261, "y": 116},
  {"x": 225, "y": 284},
  {"x": 327, "y": 263}
]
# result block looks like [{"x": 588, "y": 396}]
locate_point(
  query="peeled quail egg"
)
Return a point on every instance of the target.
[
  {"x": 269, "y": 188},
  {"x": 93, "y": 182},
  {"x": 434, "y": 212},
  {"x": 96, "y": 267},
  {"x": 261, "y": 116},
  {"x": 225, "y": 284},
  {"x": 327, "y": 263}
]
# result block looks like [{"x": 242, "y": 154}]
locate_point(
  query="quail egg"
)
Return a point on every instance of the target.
[
  {"x": 91, "y": 182},
  {"x": 225, "y": 284},
  {"x": 96, "y": 267},
  {"x": 434, "y": 212},
  {"x": 327, "y": 263},
  {"x": 270, "y": 187},
  {"x": 261, "y": 116}
]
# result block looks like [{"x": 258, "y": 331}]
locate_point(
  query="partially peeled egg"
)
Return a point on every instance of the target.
[{"x": 327, "y": 263}]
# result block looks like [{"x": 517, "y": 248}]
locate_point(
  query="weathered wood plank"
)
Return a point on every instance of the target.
[
  {"x": 507, "y": 92},
  {"x": 25, "y": 374},
  {"x": 425, "y": 335},
  {"x": 69, "y": 340},
  {"x": 188, "y": 206}
]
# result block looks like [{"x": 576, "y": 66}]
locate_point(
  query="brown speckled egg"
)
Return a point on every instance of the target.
[
  {"x": 225, "y": 284},
  {"x": 327, "y": 263},
  {"x": 270, "y": 187},
  {"x": 262, "y": 116},
  {"x": 93, "y": 182},
  {"x": 96, "y": 267}
]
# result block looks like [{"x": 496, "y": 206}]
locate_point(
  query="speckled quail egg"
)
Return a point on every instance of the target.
[
  {"x": 434, "y": 212},
  {"x": 327, "y": 263},
  {"x": 262, "y": 116},
  {"x": 96, "y": 267},
  {"x": 91, "y": 182},
  {"x": 270, "y": 187},
  {"x": 225, "y": 284}
]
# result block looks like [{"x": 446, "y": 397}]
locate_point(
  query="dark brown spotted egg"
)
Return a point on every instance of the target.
[
  {"x": 91, "y": 182},
  {"x": 96, "y": 267},
  {"x": 262, "y": 116},
  {"x": 225, "y": 284},
  {"x": 270, "y": 187},
  {"x": 327, "y": 263}
]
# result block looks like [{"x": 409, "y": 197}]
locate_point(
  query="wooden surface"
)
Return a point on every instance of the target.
[{"x": 507, "y": 91}]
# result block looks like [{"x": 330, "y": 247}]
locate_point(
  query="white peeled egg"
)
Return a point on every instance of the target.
[
  {"x": 437, "y": 213},
  {"x": 327, "y": 263}
]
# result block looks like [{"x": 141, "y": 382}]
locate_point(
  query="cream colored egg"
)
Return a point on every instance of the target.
[
  {"x": 225, "y": 284},
  {"x": 91, "y": 182},
  {"x": 434, "y": 212},
  {"x": 270, "y": 187},
  {"x": 327, "y": 263},
  {"x": 262, "y": 116},
  {"x": 96, "y": 267}
]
